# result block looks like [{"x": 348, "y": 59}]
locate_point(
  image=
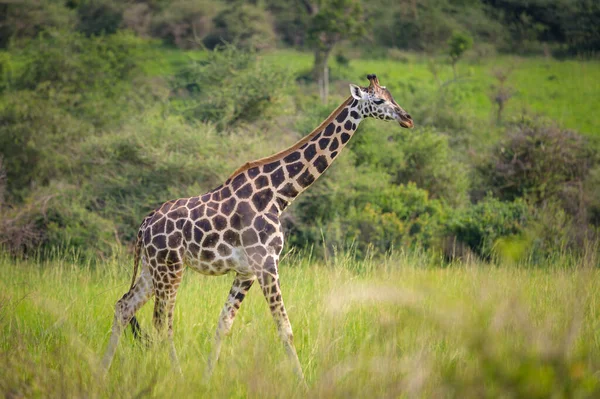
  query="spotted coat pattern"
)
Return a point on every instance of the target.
[{"x": 236, "y": 228}]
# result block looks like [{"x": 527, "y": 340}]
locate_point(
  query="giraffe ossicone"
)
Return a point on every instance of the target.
[{"x": 236, "y": 227}]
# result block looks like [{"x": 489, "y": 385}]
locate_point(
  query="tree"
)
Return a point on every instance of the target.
[
  {"x": 457, "y": 45},
  {"x": 331, "y": 21}
]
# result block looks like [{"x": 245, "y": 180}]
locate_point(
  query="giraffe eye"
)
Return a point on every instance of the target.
[{"x": 378, "y": 102}]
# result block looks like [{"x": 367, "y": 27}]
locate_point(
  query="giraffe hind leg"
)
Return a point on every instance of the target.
[
  {"x": 125, "y": 309},
  {"x": 138, "y": 334},
  {"x": 164, "y": 306}
]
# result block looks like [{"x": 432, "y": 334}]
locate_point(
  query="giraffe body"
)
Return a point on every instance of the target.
[{"x": 236, "y": 227}]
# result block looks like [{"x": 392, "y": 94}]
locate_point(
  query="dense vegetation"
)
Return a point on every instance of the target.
[{"x": 103, "y": 117}]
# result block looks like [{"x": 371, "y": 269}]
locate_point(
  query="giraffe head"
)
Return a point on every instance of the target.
[{"x": 377, "y": 102}]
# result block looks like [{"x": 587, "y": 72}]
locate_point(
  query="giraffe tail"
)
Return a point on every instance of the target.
[{"x": 135, "y": 326}]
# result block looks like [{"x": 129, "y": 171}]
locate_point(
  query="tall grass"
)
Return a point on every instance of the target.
[{"x": 399, "y": 326}]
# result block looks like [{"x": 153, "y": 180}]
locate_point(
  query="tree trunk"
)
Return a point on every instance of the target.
[{"x": 320, "y": 71}]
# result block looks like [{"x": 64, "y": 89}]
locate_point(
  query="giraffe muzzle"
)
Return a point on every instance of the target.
[{"x": 405, "y": 121}]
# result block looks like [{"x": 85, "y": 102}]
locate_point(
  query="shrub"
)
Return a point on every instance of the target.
[
  {"x": 537, "y": 162},
  {"x": 481, "y": 225},
  {"x": 184, "y": 23},
  {"x": 34, "y": 137},
  {"x": 27, "y": 18},
  {"x": 98, "y": 17},
  {"x": 422, "y": 156},
  {"x": 245, "y": 25},
  {"x": 230, "y": 86}
]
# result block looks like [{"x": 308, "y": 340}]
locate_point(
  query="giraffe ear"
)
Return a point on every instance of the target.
[{"x": 357, "y": 92}]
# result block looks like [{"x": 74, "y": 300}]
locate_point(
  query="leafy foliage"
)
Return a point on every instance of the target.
[
  {"x": 245, "y": 25},
  {"x": 230, "y": 86}
]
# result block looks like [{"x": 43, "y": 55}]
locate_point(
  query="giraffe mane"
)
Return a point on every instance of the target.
[{"x": 300, "y": 143}]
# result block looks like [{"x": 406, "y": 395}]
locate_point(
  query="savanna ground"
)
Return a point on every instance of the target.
[{"x": 398, "y": 326}]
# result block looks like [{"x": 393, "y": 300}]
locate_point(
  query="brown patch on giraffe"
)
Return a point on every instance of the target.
[
  {"x": 193, "y": 202},
  {"x": 204, "y": 224},
  {"x": 224, "y": 250},
  {"x": 212, "y": 208},
  {"x": 194, "y": 248},
  {"x": 261, "y": 181},
  {"x": 306, "y": 179},
  {"x": 197, "y": 212},
  {"x": 277, "y": 177},
  {"x": 170, "y": 226},
  {"x": 245, "y": 191},
  {"x": 342, "y": 116},
  {"x": 289, "y": 191},
  {"x": 236, "y": 221},
  {"x": 323, "y": 143},
  {"x": 238, "y": 181},
  {"x": 253, "y": 172},
  {"x": 225, "y": 192},
  {"x": 220, "y": 222},
  {"x": 228, "y": 206},
  {"x": 277, "y": 244},
  {"x": 232, "y": 238},
  {"x": 294, "y": 168},
  {"x": 150, "y": 251},
  {"x": 268, "y": 168},
  {"x": 262, "y": 199},
  {"x": 310, "y": 152},
  {"x": 210, "y": 240},
  {"x": 293, "y": 157},
  {"x": 329, "y": 129},
  {"x": 175, "y": 240},
  {"x": 249, "y": 237},
  {"x": 246, "y": 213},
  {"x": 321, "y": 163},
  {"x": 166, "y": 207},
  {"x": 259, "y": 223},
  {"x": 173, "y": 259},
  {"x": 207, "y": 255},
  {"x": 198, "y": 234},
  {"x": 176, "y": 213},
  {"x": 334, "y": 144},
  {"x": 160, "y": 241},
  {"x": 187, "y": 230},
  {"x": 161, "y": 256},
  {"x": 158, "y": 227}
]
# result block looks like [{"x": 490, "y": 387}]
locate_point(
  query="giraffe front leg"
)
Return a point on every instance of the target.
[
  {"x": 269, "y": 282},
  {"x": 239, "y": 289}
]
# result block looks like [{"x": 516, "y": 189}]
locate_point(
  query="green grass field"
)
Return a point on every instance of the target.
[
  {"x": 564, "y": 91},
  {"x": 399, "y": 326}
]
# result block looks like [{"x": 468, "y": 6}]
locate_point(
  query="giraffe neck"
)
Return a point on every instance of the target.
[{"x": 285, "y": 175}]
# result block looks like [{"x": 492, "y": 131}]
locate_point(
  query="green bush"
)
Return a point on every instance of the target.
[
  {"x": 481, "y": 225},
  {"x": 184, "y": 23},
  {"x": 537, "y": 161},
  {"x": 230, "y": 86},
  {"x": 25, "y": 19},
  {"x": 247, "y": 26},
  {"x": 67, "y": 87},
  {"x": 98, "y": 17},
  {"x": 422, "y": 156}
]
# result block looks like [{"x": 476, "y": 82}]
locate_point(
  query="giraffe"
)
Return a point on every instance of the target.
[{"x": 236, "y": 228}]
